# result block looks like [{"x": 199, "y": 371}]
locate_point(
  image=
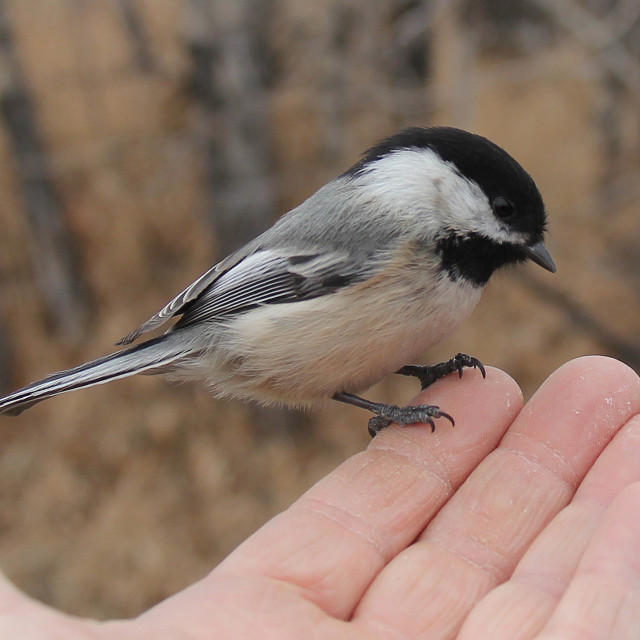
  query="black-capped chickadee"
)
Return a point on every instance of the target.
[{"x": 373, "y": 269}]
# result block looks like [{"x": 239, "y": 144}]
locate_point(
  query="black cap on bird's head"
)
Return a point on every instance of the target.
[{"x": 513, "y": 196}]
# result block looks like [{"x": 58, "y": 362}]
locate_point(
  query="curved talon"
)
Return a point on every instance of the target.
[
  {"x": 476, "y": 364},
  {"x": 463, "y": 360},
  {"x": 448, "y": 417},
  {"x": 377, "y": 424}
]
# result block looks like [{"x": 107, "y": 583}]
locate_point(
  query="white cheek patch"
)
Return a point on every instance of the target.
[{"x": 418, "y": 183}]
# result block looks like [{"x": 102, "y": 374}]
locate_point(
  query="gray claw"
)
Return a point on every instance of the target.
[{"x": 377, "y": 424}]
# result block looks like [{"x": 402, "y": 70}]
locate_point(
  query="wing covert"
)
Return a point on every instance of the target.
[
  {"x": 245, "y": 281},
  {"x": 267, "y": 277}
]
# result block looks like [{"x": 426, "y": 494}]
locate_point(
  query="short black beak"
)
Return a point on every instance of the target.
[{"x": 538, "y": 253}]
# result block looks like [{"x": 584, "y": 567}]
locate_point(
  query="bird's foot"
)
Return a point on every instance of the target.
[
  {"x": 428, "y": 374},
  {"x": 422, "y": 413}
]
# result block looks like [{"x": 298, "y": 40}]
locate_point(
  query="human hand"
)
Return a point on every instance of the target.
[{"x": 517, "y": 523}]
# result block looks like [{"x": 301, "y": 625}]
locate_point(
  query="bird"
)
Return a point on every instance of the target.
[{"x": 355, "y": 283}]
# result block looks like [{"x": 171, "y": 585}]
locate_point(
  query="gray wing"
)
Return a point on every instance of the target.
[
  {"x": 263, "y": 277},
  {"x": 192, "y": 292}
]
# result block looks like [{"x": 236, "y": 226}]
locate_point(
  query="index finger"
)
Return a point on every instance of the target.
[{"x": 333, "y": 541}]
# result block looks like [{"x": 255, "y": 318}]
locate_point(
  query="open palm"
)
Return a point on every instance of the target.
[{"x": 517, "y": 523}]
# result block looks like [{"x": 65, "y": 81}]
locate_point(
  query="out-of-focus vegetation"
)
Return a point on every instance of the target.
[{"x": 140, "y": 140}]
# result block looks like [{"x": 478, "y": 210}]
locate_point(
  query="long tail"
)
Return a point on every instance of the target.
[{"x": 154, "y": 354}]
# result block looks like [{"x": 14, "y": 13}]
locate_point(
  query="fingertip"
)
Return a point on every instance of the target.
[
  {"x": 593, "y": 386},
  {"x": 598, "y": 368},
  {"x": 575, "y": 413},
  {"x": 481, "y": 410}
]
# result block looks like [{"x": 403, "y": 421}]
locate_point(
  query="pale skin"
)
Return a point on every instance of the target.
[{"x": 517, "y": 523}]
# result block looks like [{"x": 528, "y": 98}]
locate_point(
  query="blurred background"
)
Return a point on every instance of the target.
[{"x": 141, "y": 140}]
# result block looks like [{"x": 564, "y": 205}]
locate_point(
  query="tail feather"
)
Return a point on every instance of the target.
[{"x": 146, "y": 357}]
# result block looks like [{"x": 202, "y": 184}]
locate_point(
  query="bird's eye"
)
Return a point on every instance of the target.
[{"x": 503, "y": 208}]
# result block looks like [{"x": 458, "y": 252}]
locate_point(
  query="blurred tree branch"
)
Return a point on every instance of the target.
[
  {"x": 52, "y": 250},
  {"x": 599, "y": 38},
  {"x": 137, "y": 32},
  {"x": 225, "y": 43},
  {"x": 227, "y": 48}
]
